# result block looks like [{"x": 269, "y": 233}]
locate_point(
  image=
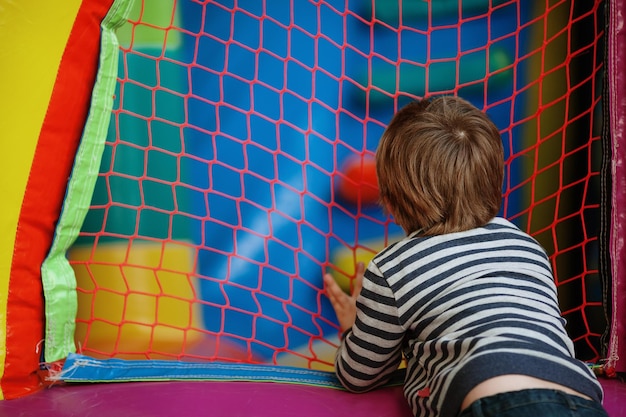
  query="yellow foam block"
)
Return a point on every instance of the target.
[
  {"x": 345, "y": 260},
  {"x": 319, "y": 355},
  {"x": 136, "y": 296}
]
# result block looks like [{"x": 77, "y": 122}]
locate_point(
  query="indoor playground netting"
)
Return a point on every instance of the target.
[{"x": 220, "y": 155}]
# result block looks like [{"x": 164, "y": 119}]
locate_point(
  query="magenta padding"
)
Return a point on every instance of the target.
[
  {"x": 215, "y": 399},
  {"x": 616, "y": 74},
  {"x": 614, "y": 397},
  {"x": 229, "y": 399}
]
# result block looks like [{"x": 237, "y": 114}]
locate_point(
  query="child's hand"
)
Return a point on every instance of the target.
[{"x": 344, "y": 304}]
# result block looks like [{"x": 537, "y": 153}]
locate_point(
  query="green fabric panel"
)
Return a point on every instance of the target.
[{"x": 59, "y": 282}]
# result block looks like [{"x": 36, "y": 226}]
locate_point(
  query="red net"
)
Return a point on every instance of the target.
[{"x": 238, "y": 163}]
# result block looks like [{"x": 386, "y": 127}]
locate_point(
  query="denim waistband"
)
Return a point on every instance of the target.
[{"x": 525, "y": 400}]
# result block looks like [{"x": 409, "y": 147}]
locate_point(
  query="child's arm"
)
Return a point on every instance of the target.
[{"x": 372, "y": 348}]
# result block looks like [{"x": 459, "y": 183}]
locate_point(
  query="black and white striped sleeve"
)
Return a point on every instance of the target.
[{"x": 372, "y": 350}]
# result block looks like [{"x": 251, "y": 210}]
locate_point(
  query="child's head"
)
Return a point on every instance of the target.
[{"x": 440, "y": 167}]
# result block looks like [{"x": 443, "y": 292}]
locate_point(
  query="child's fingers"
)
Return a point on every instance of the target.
[
  {"x": 332, "y": 288},
  {"x": 343, "y": 304},
  {"x": 360, "y": 269}
]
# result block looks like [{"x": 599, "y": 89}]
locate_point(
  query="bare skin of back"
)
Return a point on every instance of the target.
[{"x": 508, "y": 383}]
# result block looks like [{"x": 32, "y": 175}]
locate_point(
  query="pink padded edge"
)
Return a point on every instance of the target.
[
  {"x": 215, "y": 399},
  {"x": 617, "y": 104}
]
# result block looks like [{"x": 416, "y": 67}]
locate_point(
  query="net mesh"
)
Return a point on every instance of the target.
[{"x": 238, "y": 165}]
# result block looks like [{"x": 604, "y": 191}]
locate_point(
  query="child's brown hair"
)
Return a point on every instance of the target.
[{"x": 440, "y": 166}]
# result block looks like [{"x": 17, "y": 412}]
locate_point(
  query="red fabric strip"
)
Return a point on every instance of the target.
[{"x": 43, "y": 199}]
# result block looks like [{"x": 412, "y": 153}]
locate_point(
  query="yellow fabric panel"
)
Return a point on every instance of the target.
[{"x": 33, "y": 35}]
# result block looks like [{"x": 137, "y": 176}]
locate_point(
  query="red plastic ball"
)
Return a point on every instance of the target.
[{"x": 358, "y": 183}]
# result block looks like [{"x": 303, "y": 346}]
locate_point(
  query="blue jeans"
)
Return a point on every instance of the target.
[{"x": 534, "y": 402}]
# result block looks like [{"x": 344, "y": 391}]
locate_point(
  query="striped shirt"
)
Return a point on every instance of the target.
[{"x": 461, "y": 308}]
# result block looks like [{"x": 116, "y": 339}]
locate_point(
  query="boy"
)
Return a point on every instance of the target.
[{"x": 467, "y": 298}]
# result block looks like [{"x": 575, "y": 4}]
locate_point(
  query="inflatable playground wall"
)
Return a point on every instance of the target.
[{"x": 177, "y": 178}]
